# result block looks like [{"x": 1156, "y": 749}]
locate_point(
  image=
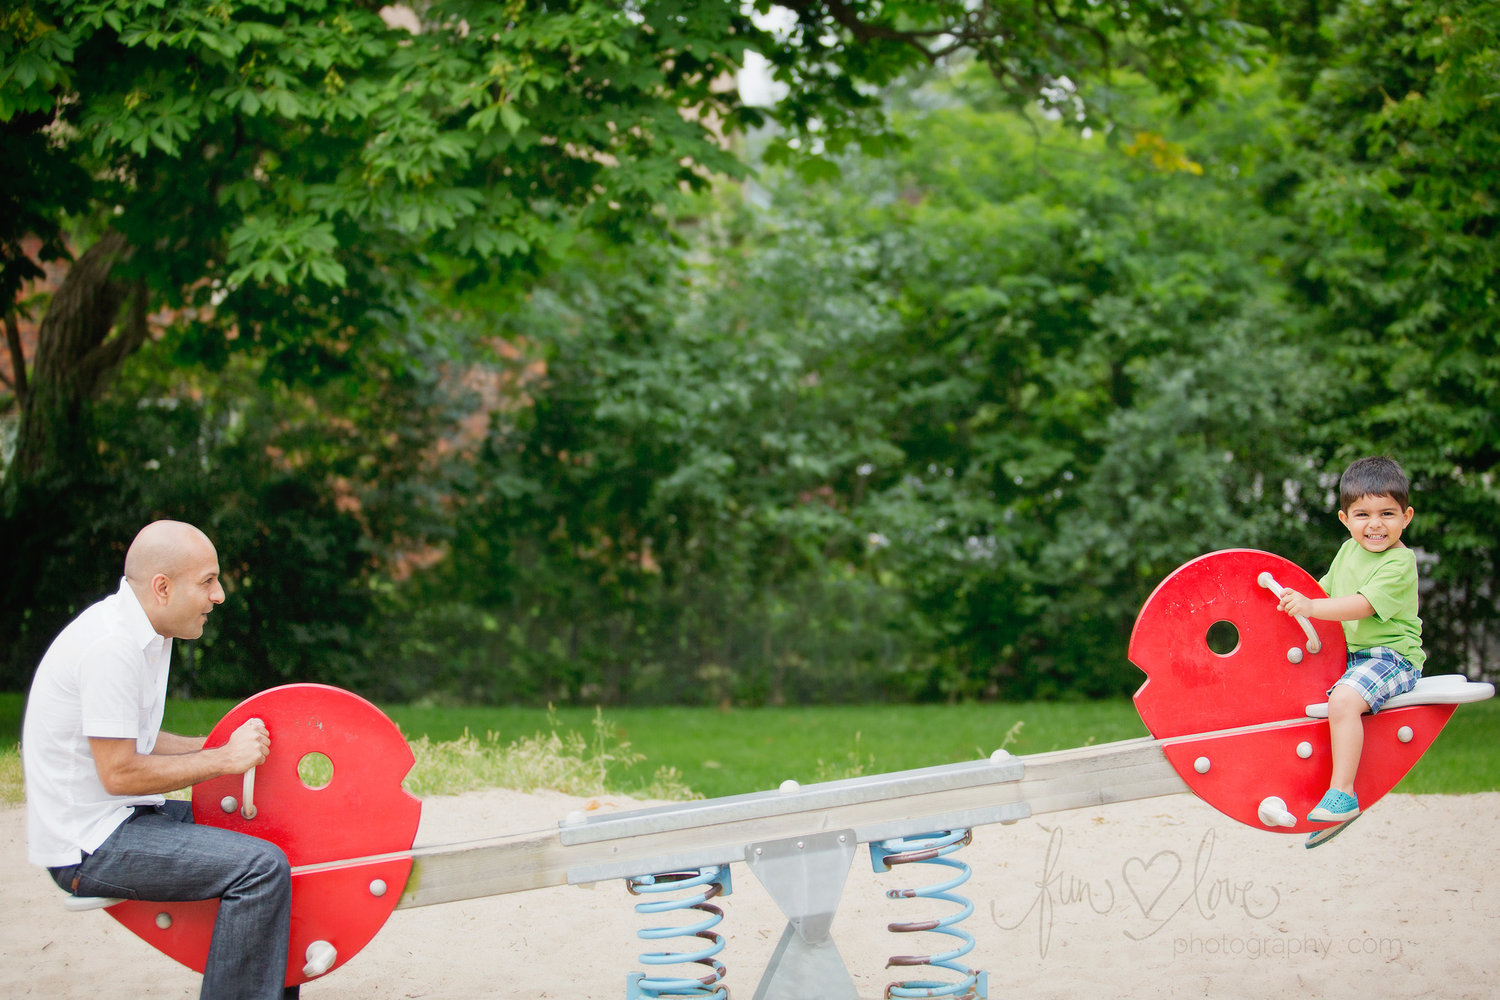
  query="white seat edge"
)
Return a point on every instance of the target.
[
  {"x": 1443, "y": 689},
  {"x": 81, "y": 903}
]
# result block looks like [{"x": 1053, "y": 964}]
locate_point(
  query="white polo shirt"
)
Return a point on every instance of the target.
[{"x": 104, "y": 675}]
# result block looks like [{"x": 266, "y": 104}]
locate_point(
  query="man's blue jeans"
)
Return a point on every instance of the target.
[{"x": 160, "y": 854}]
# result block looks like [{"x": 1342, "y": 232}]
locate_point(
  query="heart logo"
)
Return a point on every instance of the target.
[{"x": 1151, "y": 879}]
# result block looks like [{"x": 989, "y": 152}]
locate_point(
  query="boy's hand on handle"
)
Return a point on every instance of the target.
[
  {"x": 1295, "y": 604},
  {"x": 248, "y": 747}
]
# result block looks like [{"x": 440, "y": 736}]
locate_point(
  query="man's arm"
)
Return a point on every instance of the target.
[
  {"x": 124, "y": 771},
  {"x": 171, "y": 743}
]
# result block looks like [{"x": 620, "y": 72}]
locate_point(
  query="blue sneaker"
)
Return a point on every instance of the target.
[{"x": 1336, "y": 807}]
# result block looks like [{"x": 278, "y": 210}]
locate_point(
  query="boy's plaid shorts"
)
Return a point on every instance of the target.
[{"x": 1378, "y": 674}]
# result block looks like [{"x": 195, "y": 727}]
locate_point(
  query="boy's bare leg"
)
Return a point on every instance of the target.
[{"x": 1346, "y": 731}]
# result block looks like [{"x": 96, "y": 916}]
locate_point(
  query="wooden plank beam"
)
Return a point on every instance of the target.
[{"x": 718, "y": 831}]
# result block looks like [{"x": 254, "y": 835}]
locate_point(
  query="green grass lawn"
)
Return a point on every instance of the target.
[{"x": 718, "y": 753}]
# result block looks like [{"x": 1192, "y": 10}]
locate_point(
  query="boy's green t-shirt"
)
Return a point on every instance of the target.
[{"x": 1388, "y": 580}]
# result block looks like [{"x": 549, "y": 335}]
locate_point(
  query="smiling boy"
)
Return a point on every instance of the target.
[{"x": 1372, "y": 585}]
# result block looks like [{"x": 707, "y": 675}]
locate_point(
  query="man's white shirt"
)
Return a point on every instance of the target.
[{"x": 105, "y": 675}]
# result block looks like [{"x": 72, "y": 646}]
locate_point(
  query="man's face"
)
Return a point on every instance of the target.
[{"x": 192, "y": 593}]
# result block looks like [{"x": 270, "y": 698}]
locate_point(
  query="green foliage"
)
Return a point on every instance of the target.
[
  {"x": 1064, "y": 393},
  {"x": 285, "y": 177},
  {"x": 933, "y": 433},
  {"x": 836, "y": 61},
  {"x": 487, "y": 394},
  {"x": 274, "y": 145},
  {"x": 659, "y": 519},
  {"x": 749, "y": 750},
  {"x": 292, "y": 482},
  {"x": 290, "y": 177},
  {"x": 1395, "y": 182}
]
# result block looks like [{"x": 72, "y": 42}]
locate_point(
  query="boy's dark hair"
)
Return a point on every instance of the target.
[{"x": 1374, "y": 477}]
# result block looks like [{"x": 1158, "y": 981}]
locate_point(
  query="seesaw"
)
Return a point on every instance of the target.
[{"x": 1234, "y": 701}]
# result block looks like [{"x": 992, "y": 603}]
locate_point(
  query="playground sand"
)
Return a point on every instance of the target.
[{"x": 1153, "y": 898}]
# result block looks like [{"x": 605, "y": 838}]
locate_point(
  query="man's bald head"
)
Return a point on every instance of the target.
[
  {"x": 174, "y": 571},
  {"x": 163, "y": 547}
]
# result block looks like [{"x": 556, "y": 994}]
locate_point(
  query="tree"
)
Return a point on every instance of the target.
[
  {"x": 285, "y": 180},
  {"x": 287, "y": 168},
  {"x": 934, "y": 431},
  {"x": 1092, "y": 348},
  {"x": 282, "y": 181},
  {"x": 1395, "y": 185},
  {"x": 288, "y": 163}
]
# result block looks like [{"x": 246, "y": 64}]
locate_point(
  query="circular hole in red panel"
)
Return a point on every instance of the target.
[
  {"x": 315, "y": 770},
  {"x": 1223, "y": 638}
]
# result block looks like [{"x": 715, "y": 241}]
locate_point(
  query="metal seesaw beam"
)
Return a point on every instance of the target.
[{"x": 718, "y": 831}]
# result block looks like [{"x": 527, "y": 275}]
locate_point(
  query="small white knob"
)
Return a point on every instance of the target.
[
  {"x": 790, "y": 785},
  {"x": 1294, "y": 655},
  {"x": 377, "y": 887},
  {"x": 320, "y": 958},
  {"x": 1404, "y": 734},
  {"x": 1304, "y": 749},
  {"x": 1202, "y": 764},
  {"x": 1273, "y": 812},
  {"x": 164, "y": 920}
]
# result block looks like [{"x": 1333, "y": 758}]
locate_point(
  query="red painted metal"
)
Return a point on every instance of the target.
[
  {"x": 1191, "y": 689},
  {"x": 361, "y": 812},
  {"x": 1244, "y": 768}
]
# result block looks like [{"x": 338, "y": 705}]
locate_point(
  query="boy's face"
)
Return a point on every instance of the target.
[{"x": 1376, "y": 522}]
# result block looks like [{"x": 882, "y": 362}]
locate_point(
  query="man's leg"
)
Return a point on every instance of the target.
[{"x": 162, "y": 855}]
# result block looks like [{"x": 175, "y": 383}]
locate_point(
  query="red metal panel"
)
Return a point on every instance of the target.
[
  {"x": 1244, "y": 768},
  {"x": 1192, "y": 689},
  {"x": 360, "y": 812}
]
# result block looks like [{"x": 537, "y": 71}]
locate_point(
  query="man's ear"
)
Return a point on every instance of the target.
[{"x": 161, "y": 587}]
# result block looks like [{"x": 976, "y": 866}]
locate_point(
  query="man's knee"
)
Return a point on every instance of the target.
[{"x": 267, "y": 865}]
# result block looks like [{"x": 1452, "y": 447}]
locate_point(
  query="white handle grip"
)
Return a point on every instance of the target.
[
  {"x": 1314, "y": 644},
  {"x": 247, "y": 807}
]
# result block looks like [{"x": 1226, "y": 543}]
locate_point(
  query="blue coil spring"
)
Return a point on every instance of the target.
[
  {"x": 701, "y": 886},
  {"x": 933, "y": 849}
]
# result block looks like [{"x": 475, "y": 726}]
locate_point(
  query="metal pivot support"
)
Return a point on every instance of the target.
[{"x": 805, "y": 876}]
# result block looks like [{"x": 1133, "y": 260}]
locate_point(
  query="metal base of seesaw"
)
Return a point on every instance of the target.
[{"x": 799, "y": 843}]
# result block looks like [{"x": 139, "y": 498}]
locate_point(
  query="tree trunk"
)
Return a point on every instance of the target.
[{"x": 78, "y": 347}]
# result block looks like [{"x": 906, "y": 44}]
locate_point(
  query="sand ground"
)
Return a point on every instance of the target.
[{"x": 1155, "y": 898}]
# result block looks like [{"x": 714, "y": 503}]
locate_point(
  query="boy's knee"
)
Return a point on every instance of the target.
[{"x": 1345, "y": 700}]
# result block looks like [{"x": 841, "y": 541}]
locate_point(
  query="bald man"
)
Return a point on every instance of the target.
[{"x": 97, "y": 762}]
